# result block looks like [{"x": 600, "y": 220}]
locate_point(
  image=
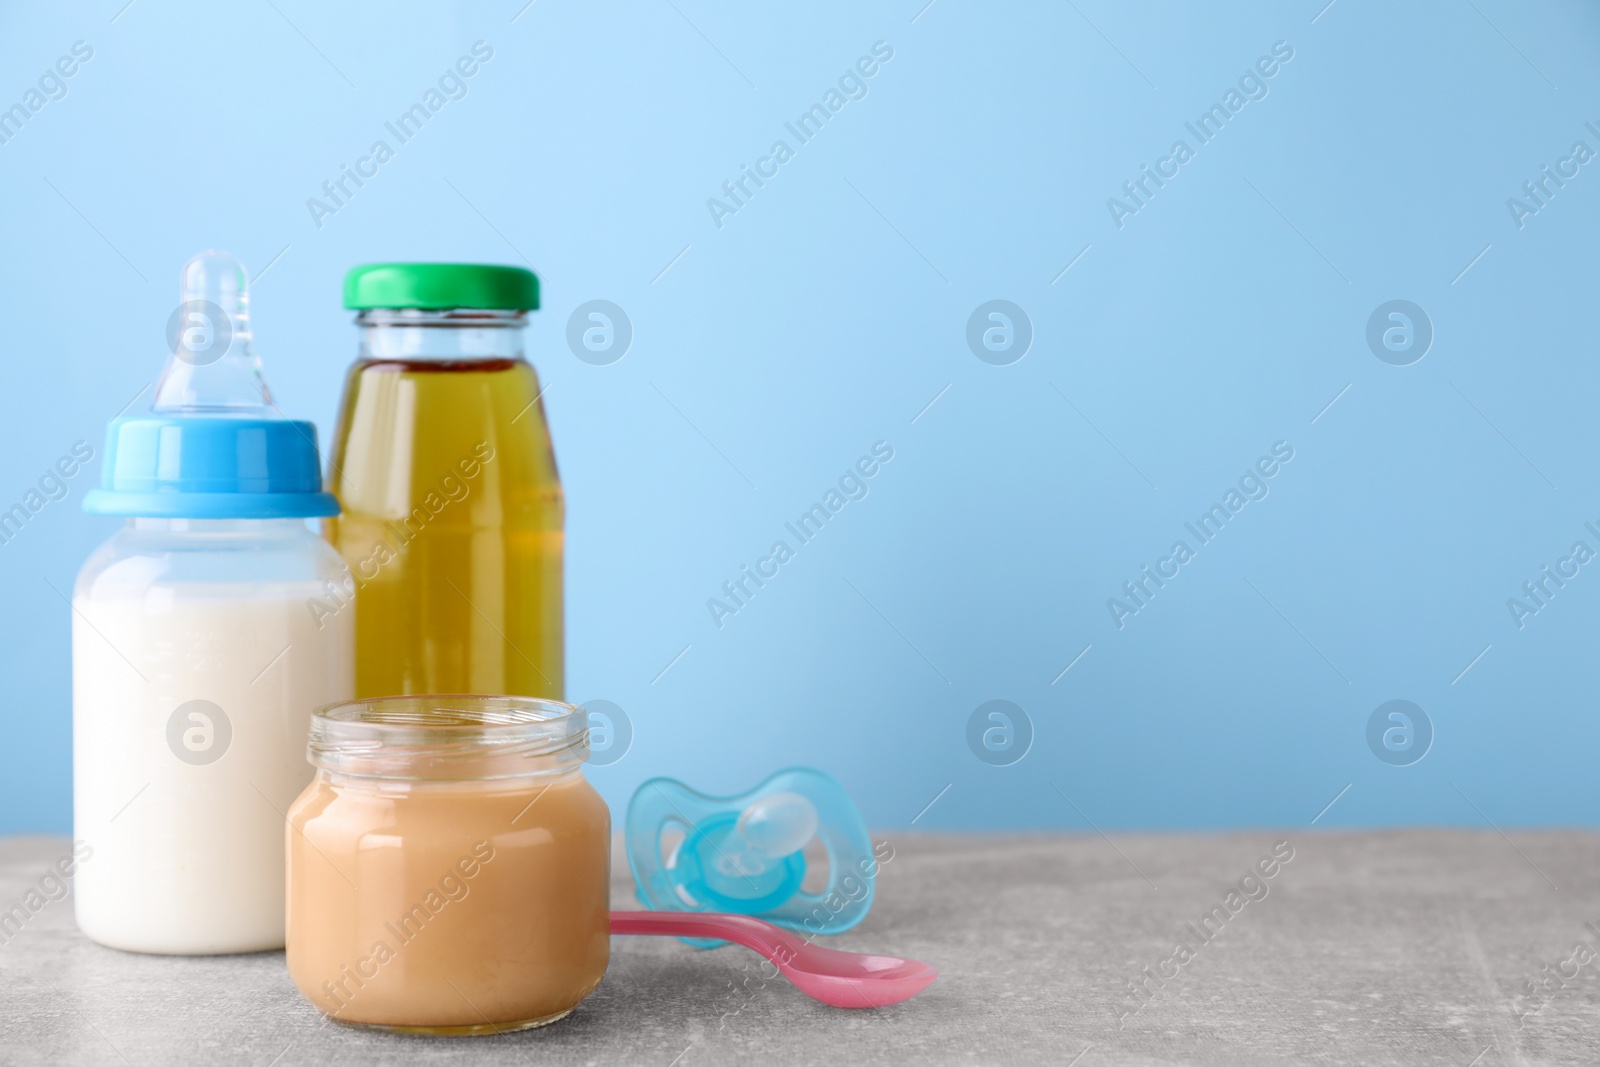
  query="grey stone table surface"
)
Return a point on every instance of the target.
[{"x": 1406, "y": 947}]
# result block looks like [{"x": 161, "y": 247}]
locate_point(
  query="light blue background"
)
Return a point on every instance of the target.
[{"x": 826, "y": 315}]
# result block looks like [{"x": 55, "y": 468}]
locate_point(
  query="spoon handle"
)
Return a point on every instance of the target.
[
  {"x": 840, "y": 979},
  {"x": 778, "y": 945}
]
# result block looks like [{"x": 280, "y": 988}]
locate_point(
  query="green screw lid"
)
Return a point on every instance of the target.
[{"x": 441, "y": 285}]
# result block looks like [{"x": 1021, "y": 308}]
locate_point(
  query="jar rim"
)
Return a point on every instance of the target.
[{"x": 448, "y": 736}]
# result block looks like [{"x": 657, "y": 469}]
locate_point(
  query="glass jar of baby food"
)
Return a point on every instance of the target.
[{"x": 448, "y": 865}]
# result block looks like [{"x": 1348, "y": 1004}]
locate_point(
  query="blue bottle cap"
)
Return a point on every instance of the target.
[
  {"x": 213, "y": 446},
  {"x": 746, "y": 853},
  {"x": 211, "y": 467}
]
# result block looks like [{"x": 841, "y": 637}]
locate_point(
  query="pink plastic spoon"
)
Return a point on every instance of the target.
[{"x": 842, "y": 979}]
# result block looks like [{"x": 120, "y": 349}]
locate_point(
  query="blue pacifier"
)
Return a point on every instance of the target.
[{"x": 746, "y": 853}]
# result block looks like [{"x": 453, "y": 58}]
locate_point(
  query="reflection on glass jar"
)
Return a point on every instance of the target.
[{"x": 449, "y": 865}]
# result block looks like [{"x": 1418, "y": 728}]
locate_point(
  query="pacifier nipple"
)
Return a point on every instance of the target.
[
  {"x": 778, "y": 824},
  {"x": 212, "y": 366}
]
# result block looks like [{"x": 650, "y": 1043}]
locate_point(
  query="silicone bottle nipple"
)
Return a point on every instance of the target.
[{"x": 212, "y": 367}]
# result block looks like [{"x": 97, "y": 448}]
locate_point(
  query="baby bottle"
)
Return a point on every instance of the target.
[
  {"x": 204, "y": 634},
  {"x": 451, "y": 509}
]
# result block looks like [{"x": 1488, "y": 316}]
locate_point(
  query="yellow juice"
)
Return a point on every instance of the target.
[{"x": 451, "y": 526}]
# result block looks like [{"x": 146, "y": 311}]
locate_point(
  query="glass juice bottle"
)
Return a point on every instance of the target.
[{"x": 452, "y": 511}]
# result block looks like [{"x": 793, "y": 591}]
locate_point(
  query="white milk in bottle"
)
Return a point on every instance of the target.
[{"x": 204, "y": 634}]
